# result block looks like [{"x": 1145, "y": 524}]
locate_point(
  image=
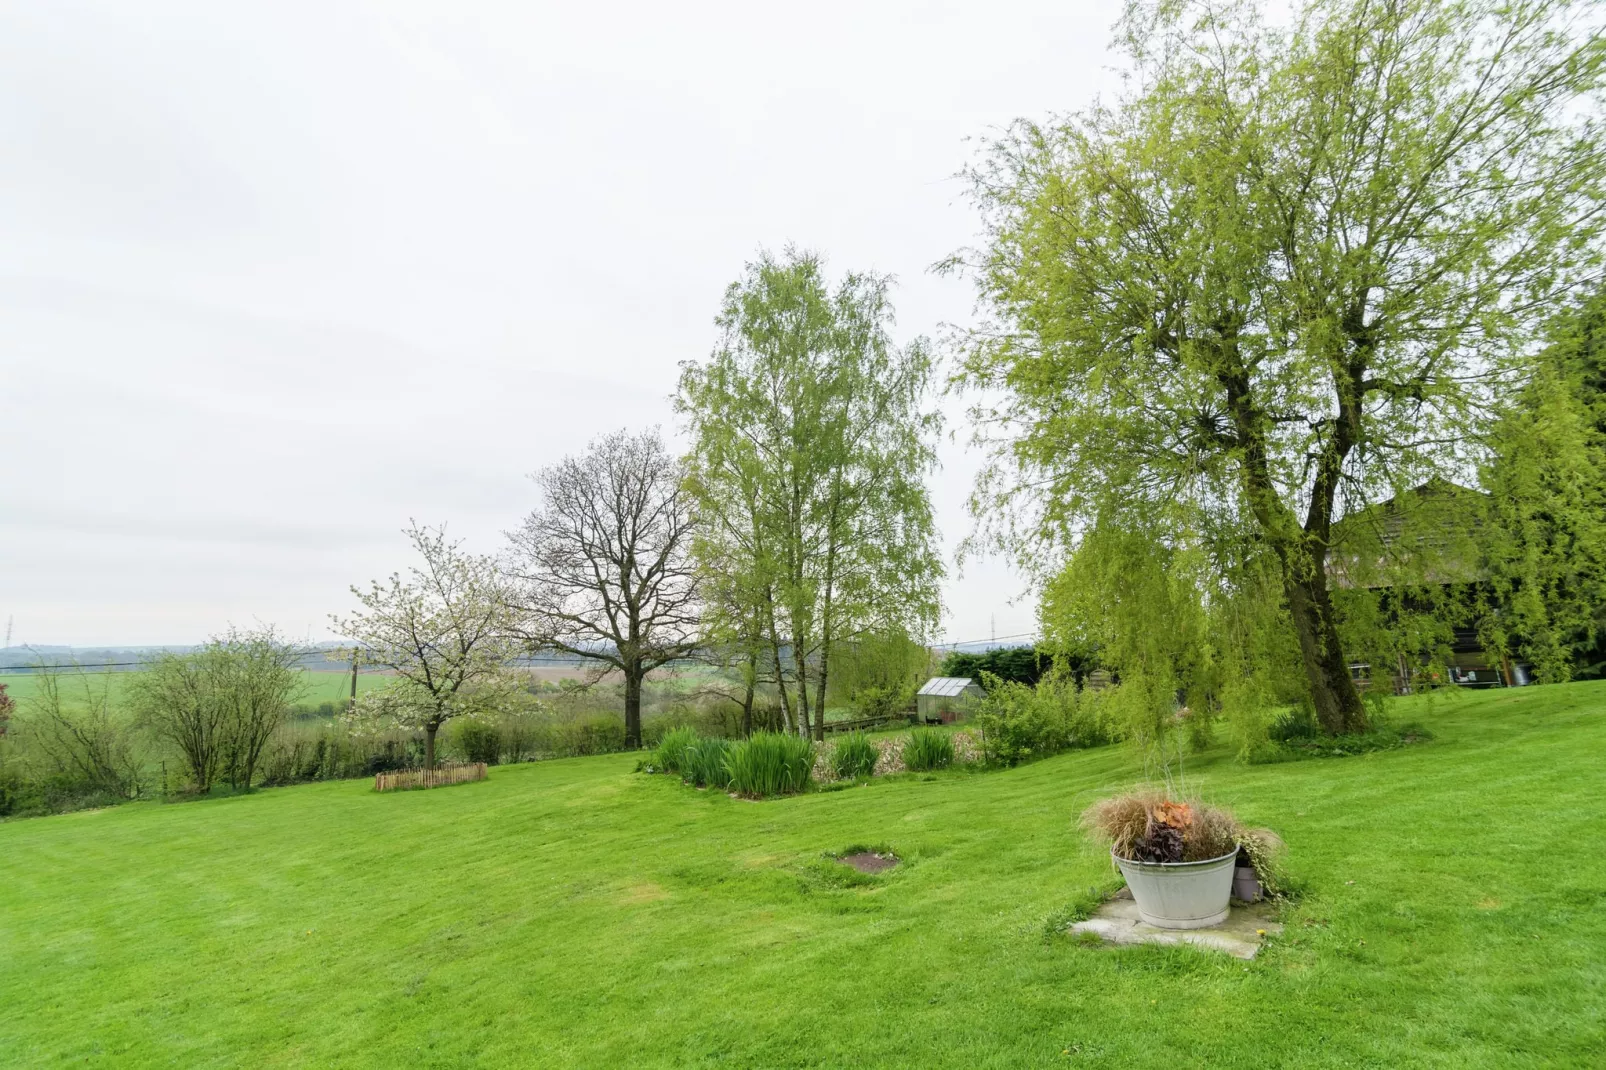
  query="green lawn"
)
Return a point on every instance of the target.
[{"x": 573, "y": 913}]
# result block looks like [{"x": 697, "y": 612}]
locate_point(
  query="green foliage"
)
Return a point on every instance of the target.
[
  {"x": 577, "y": 734},
  {"x": 670, "y": 757},
  {"x": 220, "y": 704},
  {"x": 927, "y": 749},
  {"x": 1141, "y": 604},
  {"x": 770, "y": 763},
  {"x": 704, "y": 763},
  {"x": 878, "y": 673},
  {"x": 1018, "y": 664},
  {"x": 1017, "y": 722},
  {"x": 854, "y": 756},
  {"x": 1260, "y": 290},
  {"x": 1546, "y": 543},
  {"x": 303, "y": 752},
  {"x": 69, "y": 748},
  {"x": 479, "y": 741},
  {"x": 1296, "y": 738},
  {"x": 811, "y": 436},
  {"x": 882, "y": 703}
]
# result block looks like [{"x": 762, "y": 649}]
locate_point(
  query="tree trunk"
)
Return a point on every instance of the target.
[
  {"x": 1338, "y": 704},
  {"x": 747, "y": 697},
  {"x": 803, "y": 725},
  {"x": 632, "y": 709},
  {"x": 775, "y": 652},
  {"x": 429, "y": 744},
  {"x": 819, "y": 703}
]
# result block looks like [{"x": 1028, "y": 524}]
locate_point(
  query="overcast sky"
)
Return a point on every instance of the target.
[{"x": 277, "y": 277}]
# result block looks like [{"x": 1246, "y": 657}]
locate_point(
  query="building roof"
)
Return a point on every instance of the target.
[
  {"x": 1428, "y": 535},
  {"x": 945, "y": 686}
]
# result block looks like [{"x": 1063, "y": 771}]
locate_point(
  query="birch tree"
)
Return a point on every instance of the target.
[{"x": 811, "y": 442}]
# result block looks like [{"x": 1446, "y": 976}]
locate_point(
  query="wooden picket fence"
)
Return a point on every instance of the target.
[{"x": 437, "y": 777}]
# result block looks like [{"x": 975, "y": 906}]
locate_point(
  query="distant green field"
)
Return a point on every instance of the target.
[
  {"x": 576, "y": 913},
  {"x": 316, "y": 685}
]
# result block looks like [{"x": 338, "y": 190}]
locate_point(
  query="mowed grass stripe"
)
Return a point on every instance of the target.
[{"x": 576, "y": 913}]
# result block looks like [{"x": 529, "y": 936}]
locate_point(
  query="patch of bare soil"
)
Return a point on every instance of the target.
[{"x": 869, "y": 861}]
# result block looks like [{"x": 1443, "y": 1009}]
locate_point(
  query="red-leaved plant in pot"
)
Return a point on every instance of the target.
[{"x": 1179, "y": 858}]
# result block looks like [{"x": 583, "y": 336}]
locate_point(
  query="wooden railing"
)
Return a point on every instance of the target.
[
  {"x": 868, "y": 723},
  {"x": 437, "y": 777}
]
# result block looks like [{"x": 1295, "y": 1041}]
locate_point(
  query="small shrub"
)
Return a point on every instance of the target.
[
  {"x": 1018, "y": 722},
  {"x": 854, "y": 756},
  {"x": 880, "y": 703},
  {"x": 770, "y": 763},
  {"x": 670, "y": 756},
  {"x": 1296, "y": 723},
  {"x": 1296, "y": 735},
  {"x": 928, "y": 748},
  {"x": 703, "y": 763},
  {"x": 1265, "y": 851},
  {"x": 480, "y": 741}
]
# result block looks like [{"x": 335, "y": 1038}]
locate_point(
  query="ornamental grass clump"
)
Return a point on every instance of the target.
[
  {"x": 854, "y": 756},
  {"x": 1149, "y": 827},
  {"x": 927, "y": 749},
  {"x": 670, "y": 756},
  {"x": 703, "y": 763},
  {"x": 770, "y": 763}
]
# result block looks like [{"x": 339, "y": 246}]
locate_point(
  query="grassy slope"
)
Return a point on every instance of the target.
[{"x": 572, "y": 913}]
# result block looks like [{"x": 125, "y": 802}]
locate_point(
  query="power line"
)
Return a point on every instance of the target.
[{"x": 994, "y": 639}]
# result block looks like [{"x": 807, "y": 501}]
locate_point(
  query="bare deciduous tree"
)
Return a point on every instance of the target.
[{"x": 600, "y": 570}]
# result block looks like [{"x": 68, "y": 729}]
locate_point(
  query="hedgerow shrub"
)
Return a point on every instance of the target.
[
  {"x": 854, "y": 756},
  {"x": 306, "y": 751},
  {"x": 1018, "y": 722},
  {"x": 927, "y": 749},
  {"x": 479, "y": 741},
  {"x": 881, "y": 703},
  {"x": 574, "y": 735},
  {"x": 770, "y": 763}
]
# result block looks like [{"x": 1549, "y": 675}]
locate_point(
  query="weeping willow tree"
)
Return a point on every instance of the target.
[
  {"x": 1191, "y": 636},
  {"x": 1280, "y": 279}
]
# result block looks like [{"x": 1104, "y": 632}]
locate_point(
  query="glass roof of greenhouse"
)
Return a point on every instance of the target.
[{"x": 945, "y": 686}]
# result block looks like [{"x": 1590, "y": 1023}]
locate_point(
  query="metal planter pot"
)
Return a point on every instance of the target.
[{"x": 1180, "y": 895}]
